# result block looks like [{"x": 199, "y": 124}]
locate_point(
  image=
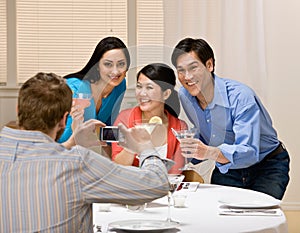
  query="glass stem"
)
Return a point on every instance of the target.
[
  {"x": 169, "y": 207},
  {"x": 186, "y": 164}
]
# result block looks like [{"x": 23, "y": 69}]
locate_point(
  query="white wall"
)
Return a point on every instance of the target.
[{"x": 283, "y": 37}]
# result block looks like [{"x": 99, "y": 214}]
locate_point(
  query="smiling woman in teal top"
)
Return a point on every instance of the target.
[{"x": 104, "y": 78}]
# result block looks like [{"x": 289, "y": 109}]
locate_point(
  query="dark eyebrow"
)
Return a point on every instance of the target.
[
  {"x": 107, "y": 60},
  {"x": 192, "y": 63}
]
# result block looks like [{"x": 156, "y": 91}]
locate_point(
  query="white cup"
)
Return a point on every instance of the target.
[{"x": 179, "y": 200}]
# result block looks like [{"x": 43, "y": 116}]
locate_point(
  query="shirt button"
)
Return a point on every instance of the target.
[
  {"x": 207, "y": 120},
  {"x": 214, "y": 135}
]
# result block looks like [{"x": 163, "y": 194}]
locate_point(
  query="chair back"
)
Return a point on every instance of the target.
[{"x": 192, "y": 176}]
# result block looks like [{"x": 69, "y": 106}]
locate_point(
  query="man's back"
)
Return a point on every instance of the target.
[
  {"x": 40, "y": 186},
  {"x": 47, "y": 188}
]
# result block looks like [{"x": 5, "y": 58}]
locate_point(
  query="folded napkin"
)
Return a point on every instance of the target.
[{"x": 225, "y": 210}]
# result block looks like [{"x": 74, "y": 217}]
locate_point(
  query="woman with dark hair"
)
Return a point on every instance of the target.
[
  {"x": 103, "y": 77},
  {"x": 156, "y": 96}
]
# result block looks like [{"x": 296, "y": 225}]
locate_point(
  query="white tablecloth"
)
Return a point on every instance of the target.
[{"x": 201, "y": 214}]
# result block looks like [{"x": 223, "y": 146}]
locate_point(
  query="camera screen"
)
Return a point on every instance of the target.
[{"x": 110, "y": 134}]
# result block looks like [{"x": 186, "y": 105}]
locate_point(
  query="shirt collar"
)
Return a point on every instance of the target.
[
  {"x": 25, "y": 135},
  {"x": 220, "y": 94}
]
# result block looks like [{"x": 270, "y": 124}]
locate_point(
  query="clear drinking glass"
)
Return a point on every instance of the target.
[
  {"x": 144, "y": 124},
  {"x": 159, "y": 141},
  {"x": 185, "y": 133},
  {"x": 174, "y": 180},
  {"x": 82, "y": 100}
]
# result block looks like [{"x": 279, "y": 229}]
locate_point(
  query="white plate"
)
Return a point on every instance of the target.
[
  {"x": 249, "y": 199},
  {"x": 143, "y": 225},
  {"x": 254, "y": 204}
]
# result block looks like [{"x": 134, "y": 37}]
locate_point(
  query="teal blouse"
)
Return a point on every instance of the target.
[{"x": 109, "y": 109}]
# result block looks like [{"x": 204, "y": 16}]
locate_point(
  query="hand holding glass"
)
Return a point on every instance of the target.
[
  {"x": 158, "y": 131},
  {"x": 82, "y": 100},
  {"x": 185, "y": 133}
]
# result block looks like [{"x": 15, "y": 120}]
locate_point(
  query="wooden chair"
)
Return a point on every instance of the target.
[{"x": 192, "y": 176}]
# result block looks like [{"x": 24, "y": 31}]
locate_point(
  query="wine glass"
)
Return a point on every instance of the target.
[
  {"x": 144, "y": 124},
  {"x": 185, "y": 133},
  {"x": 174, "y": 180},
  {"x": 157, "y": 128},
  {"x": 82, "y": 100}
]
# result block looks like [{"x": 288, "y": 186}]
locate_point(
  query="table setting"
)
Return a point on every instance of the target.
[
  {"x": 250, "y": 203},
  {"x": 198, "y": 208}
]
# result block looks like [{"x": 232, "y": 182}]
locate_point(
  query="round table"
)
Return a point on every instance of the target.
[{"x": 201, "y": 213}]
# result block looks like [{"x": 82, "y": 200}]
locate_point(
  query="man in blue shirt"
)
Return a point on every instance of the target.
[{"x": 234, "y": 128}]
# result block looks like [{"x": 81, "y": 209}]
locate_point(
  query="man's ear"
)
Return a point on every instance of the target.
[
  {"x": 62, "y": 122},
  {"x": 210, "y": 65},
  {"x": 167, "y": 94}
]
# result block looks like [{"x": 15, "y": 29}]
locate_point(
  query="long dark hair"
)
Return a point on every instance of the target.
[
  {"x": 90, "y": 72},
  {"x": 164, "y": 76}
]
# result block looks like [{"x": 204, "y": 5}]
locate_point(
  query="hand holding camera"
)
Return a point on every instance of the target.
[
  {"x": 85, "y": 134},
  {"x": 138, "y": 139},
  {"x": 109, "y": 134}
]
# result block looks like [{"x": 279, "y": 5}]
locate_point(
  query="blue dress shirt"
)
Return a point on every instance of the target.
[{"x": 235, "y": 121}]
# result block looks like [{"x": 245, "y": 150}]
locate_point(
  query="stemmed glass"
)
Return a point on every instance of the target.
[
  {"x": 144, "y": 124},
  {"x": 82, "y": 100},
  {"x": 159, "y": 141},
  {"x": 185, "y": 133},
  {"x": 174, "y": 180}
]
